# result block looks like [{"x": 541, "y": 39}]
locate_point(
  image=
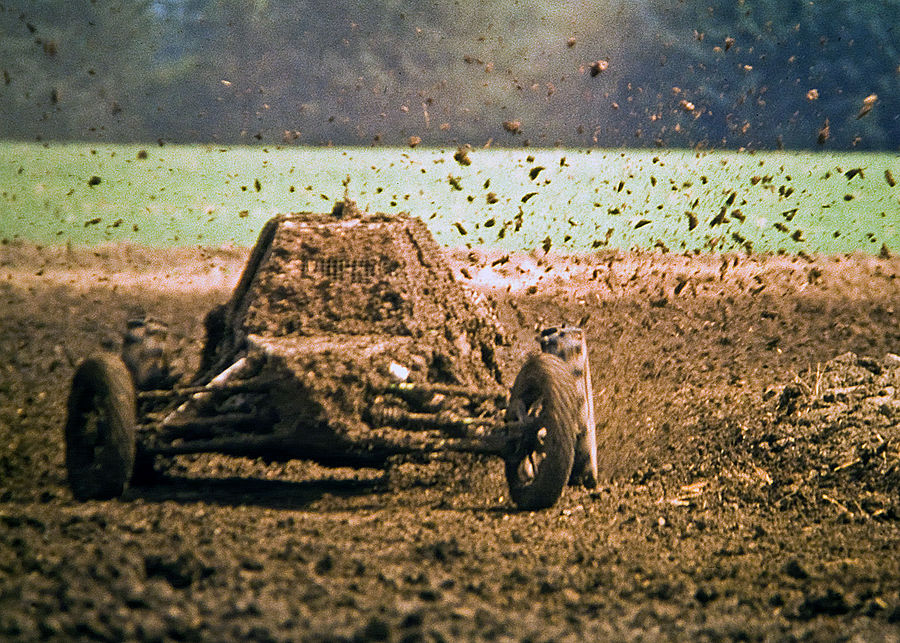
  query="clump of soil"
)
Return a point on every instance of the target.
[{"x": 749, "y": 469}]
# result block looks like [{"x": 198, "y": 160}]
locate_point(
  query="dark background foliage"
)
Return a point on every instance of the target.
[{"x": 714, "y": 73}]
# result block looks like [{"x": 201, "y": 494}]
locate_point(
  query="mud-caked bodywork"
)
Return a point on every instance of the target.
[{"x": 338, "y": 320}]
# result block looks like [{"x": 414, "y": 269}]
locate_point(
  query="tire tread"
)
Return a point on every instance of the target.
[
  {"x": 544, "y": 376},
  {"x": 102, "y": 472}
]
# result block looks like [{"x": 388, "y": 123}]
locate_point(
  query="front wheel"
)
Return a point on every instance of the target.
[
  {"x": 100, "y": 439},
  {"x": 545, "y": 404}
]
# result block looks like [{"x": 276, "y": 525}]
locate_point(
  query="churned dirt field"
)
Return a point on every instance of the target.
[{"x": 750, "y": 470}]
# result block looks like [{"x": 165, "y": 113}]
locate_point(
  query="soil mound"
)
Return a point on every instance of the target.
[{"x": 835, "y": 438}]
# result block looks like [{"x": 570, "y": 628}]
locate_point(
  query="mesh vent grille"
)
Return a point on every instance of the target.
[{"x": 353, "y": 270}]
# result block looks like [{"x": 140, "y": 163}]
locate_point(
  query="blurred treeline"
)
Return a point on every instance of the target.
[{"x": 759, "y": 74}]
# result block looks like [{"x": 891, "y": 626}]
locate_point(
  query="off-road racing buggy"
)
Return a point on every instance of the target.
[{"x": 346, "y": 341}]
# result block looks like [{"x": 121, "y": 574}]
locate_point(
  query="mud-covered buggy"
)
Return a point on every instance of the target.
[{"x": 346, "y": 341}]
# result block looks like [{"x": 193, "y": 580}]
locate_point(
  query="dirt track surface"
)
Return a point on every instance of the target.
[{"x": 751, "y": 483}]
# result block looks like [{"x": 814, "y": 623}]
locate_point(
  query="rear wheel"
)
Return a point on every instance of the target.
[
  {"x": 545, "y": 403},
  {"x": 99, "y": 432}
]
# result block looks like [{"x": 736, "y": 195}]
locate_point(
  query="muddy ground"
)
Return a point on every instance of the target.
[{"x": 751, "y": 482}]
